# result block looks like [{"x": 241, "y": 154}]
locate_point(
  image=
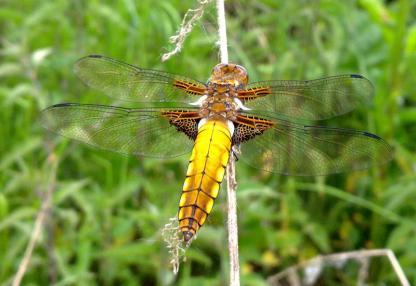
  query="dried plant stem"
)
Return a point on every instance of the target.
[
  {"x": 40, "y": 220},
  {"x": 232, "y": 223},
  {"x": 231, "y": 180},
  {"x": 222, "y": 32},
  {"x": 188, "y": 21},
  {"x": 396, "y": 266},
  {"x": 360, "y": 255}
]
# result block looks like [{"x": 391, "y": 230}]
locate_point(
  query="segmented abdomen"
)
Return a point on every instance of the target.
[{"x": 205, "y": 173}]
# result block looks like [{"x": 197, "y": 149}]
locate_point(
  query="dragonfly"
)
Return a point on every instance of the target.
[{"x": 178, "y": 115}]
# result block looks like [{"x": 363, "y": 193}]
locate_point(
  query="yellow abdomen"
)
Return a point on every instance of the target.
[{"x": 205, "y": 173}]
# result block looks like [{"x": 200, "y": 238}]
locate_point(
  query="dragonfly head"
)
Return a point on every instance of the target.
[{"x": 233, "y": 74}]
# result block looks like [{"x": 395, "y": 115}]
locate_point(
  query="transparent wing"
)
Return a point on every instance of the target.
[
  {"x": 311, "y": 100},
  {"x": 130, "y": 83},
  {"x": 129, "y": 131},
  {"x": 292, "y": 149}
]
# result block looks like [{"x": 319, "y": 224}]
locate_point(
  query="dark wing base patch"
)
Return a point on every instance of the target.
[
  {"x": 247, "y": 127},
  {"x": 184, "y": 121}
]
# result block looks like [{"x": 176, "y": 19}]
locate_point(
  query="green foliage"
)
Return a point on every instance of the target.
[{"x": 108, "y": 210}]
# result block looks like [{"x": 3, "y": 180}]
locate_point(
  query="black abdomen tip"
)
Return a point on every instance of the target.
[{"x": 187, "y": 235}]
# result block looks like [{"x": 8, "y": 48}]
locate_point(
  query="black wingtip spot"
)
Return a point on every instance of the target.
[
  {"x": 356, "y": 76},
  {"x": 371, "y": 135},
  {"x": 62, "y": 104},
  {"x": 95, "y": 56}
]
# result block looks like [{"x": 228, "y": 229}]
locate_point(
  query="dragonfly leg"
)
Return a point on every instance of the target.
[{"x": 236, "y": 152}]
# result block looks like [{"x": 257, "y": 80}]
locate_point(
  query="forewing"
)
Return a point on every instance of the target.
[
  {"x": 130, "y": 83},
  {"x": 129, "y": 131},
  {"x": 292, "y": 149},
  {"x": 311, "y": 100}
]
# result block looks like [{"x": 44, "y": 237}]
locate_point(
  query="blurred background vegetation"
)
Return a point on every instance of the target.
[{"x": 108, "y": 210}]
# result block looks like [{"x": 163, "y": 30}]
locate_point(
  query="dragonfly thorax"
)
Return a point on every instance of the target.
[{"x": 221, "y": 99}]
